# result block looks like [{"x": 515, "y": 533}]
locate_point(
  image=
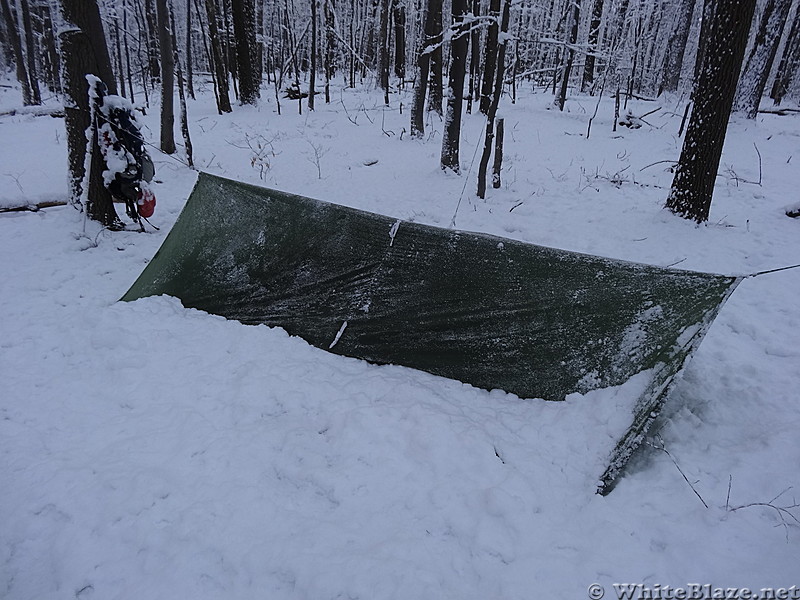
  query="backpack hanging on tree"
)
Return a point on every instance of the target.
[{"x": 129, "y": 167}]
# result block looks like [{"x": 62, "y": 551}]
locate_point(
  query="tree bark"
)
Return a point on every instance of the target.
[
  {"x": 573, "y": 37},
  {"x": 167, "y": 78},
  {"x": 676, "y": 47},
  {"x": 422, "y": 72},
  {"x": 400, "y": 41},
  {"x": 490, "y": 57},
  {"x": 383, "y": 50},
  {"x": 758, "y": 65},
  {"x": 497, "y": 166},
  {"x": 30, "y": 50},
  {"x": 693, "y": 185},
  {"x": 789, "y": 64},
  {"x": 187, "y": 140},
  {"x": 220, "y": 70},
  {"x": 244, "y": 27},
  {"x": 313, "y": 71},
  {"x": 81, "y": 56},
  {"x": 19, "y": 57},
  {"x": 436, "y": 94},
  {"x": 455, "y": 93},
  {"x": 592, "y": 38},
  {"x": 152, "y": 41},
  {"x": 492, "y": 112}
]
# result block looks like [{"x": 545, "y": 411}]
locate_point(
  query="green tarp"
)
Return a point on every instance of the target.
[{"x": 488, "y": 311}]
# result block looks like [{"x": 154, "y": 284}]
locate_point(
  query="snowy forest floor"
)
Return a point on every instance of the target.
[{"x": 149, "y": 451}]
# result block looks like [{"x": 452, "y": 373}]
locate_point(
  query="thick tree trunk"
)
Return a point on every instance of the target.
[
  {"x": 244, "y": 27},
  {"x": 80, "y": 55},
  {"x": 693, "y": 185},
  {"x": 167, "y": 78},
  {"x": 758, "y": 65},
  {"x": 676, "y": 47},
  {"x": 455, "y": 92}
]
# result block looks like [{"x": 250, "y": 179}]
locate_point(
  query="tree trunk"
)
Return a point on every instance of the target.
[
  {"x": 400, "y": 42},
  {"x": 497, "y": 166},
  {"x": 30, "y": 49},
  {"x": 455, "y": 92},
  {"x": 422, "y": 71},
  {"x": 167, "y": 78},
  {"x": 593, "y": 37},
  {"x": 313, "y": 71},
  {"x": 492, "y": 112},
  {"x": 81, "y": 56},
  {"x": 758, "y": 65},
  {"x": 244, "y": 27},
  {"x": 19, "y": 57},
  {"x": 189, "y": 68},
  {"x": 693, "y": 185},
  {"x": 436, "y": 94},
  {"x": 223, "y": 98},
  {"x": 50, "y": 51},
  {"x": 676, "y": 47},
  {"x": 187, "y": 140},
  {"x": 383, "y": 50},
  {"x": 573, "y": 37},
  {"x": 490, "y": 57},
  {"x": 474, "y": 57},
  {"x": 152, "y": 41},
  {"x": 790, "y": 62}
]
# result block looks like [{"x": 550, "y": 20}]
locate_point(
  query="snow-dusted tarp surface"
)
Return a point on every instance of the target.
[{"x": 492, "y": 312}]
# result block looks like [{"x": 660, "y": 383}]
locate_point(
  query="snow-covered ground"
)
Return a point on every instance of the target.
[{"x": 149, "y": 451}]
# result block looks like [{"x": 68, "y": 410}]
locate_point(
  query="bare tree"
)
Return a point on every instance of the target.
[
  {"x": 693, "y": 185},
  {"x": 676, "y": 47}
]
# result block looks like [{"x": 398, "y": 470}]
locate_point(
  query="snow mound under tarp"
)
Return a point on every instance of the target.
[{"x": 492, "y": 312}]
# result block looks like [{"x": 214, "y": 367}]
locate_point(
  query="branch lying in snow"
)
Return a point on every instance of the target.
[
  {"x": 782, "y": 511},
  {"x": 32, "y": 207},
  {"x": 663, "y": 448}
]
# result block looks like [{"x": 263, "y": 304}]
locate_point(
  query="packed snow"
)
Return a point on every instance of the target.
[{"x": 150, "y": 451}]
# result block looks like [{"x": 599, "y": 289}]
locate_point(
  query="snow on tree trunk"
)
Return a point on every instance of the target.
[
  {"x": 455, "y": 91},
  {"x": 676, "y": 47},
  {"x": 80, "y": 55},
  {"x": 244, "y": 27},
  {"x": 19, "y": 57},
  {"x": 167, "y": 79},
  {"x": 758, "y": 65},
  {"x": 693, "y": 185},
  {"x": 218, "y": 64}
]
